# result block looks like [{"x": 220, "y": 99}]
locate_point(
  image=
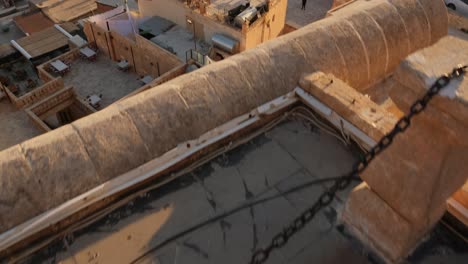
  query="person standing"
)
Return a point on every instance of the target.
[{"x": 304, "y": 2}]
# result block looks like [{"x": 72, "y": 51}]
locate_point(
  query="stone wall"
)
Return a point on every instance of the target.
[
  {"x": 52, "y": 102},
  {"x": 153, "y": 60},
  {"x": 160, "y": 80},
  {"x": 37, "y": 94},
  {"x": 360, "y": 46},
  {"x": 144, "y": 57}
]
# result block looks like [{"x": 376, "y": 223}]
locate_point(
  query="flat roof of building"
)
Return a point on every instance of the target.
[
  {"x": 33, "y": 22},
  {"x": 45, "y": 41},
  {"x": 179, "y": 40},
  {"x": 68, "y": 10},
  {"x": 289, "y": 155}
]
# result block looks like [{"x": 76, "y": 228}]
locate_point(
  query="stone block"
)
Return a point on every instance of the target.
[
  {"x": 421, "y": 69},
  {"x": 112, "y": 141},
  {"x": 404, "y": 97},
  {"x": 453, "y": 175},
  {"x": 406, "y": 174},
  {"x": 377, "y": 225},
  {"x": 349, "y": 104}
]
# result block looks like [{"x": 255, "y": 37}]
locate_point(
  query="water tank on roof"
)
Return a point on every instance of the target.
[
  {"x": 224, "y": 43},
  {"x": 247, "y": 15}
]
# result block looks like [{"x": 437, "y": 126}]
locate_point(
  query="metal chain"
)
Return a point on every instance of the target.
[{"x": 279, "y": 240}]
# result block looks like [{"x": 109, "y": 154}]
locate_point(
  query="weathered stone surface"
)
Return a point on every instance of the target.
[
  {"x": 421, "y": 69},
  {"x": 349, "y": 104},
  {"x": 453, "y": 174},
  {"x": 322, "y": 49},
  {"x": 158, "y": 116},
  {"x": 389, "y": 21},
  {"x": 406, "y": 174},
  {"x": 374, "y": 42},
  {"x": 417, "y": 23},
  {"x": 437, "y": 16},
  {"x": 17, "y": 201},
  {"x": 112, "y": 141},
  {"x": 58, "y": 179},
  {"x": 404, "y": 97},
  {"x": 354, "y": 52},
  {"x": 287, "y": 60},
  {"x": 377, "y": 224}
]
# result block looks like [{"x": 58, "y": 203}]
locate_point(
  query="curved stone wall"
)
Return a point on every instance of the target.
[{"x": 360, "y": 44}]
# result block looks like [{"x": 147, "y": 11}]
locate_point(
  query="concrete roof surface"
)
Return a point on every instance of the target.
[{"x": 290, "y": 154}]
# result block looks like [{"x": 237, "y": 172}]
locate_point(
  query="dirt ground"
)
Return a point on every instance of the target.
[
  {"x": 315, "y": 10},
  {"x": 101, "y": 77},
  {"x": 16, "y": 126}
]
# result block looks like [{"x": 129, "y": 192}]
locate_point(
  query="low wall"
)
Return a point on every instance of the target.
[
  {"x": 43, "y": 74},
  {"x": 68, "y": 57},
  {"x": 80, "y": 109},
  {"x": 162, "y": 79},
  {"x": 152, "y": 59},
  {"x": 53, "y": 101},
  {"x": 37, "y": 94},
  {"x": 144, "y": 57},
  {"x": 37, "y": 121}
]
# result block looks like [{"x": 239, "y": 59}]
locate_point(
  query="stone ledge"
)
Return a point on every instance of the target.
[{"x": 349, "y": 103}]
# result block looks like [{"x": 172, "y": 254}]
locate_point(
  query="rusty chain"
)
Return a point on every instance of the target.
[{"x": 279, "y": 240}]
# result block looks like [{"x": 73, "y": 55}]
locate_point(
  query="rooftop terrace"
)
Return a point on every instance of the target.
[{"x": 101, "y": 77}]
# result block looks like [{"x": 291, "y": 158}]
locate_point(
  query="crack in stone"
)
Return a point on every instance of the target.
[
  {"x": 254, "y": 229},
  {"x": 248, "y": 193},
  {"x": 224, "y": 225},
  {"x": 197, "y": 249},
  {"x": 208, "y": 194}
]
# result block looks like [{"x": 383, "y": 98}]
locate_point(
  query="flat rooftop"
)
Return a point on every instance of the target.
[
  {"x": 225, "y": 5},
  {"x": 101, "y": 77},
  {"x": 290, "y": 154},
  {"x": 178, "y": 40},
  {"x": 16, "y": 125}
]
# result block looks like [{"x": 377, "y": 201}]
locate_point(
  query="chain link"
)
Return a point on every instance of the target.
[{"x": 279, "y": 240}]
